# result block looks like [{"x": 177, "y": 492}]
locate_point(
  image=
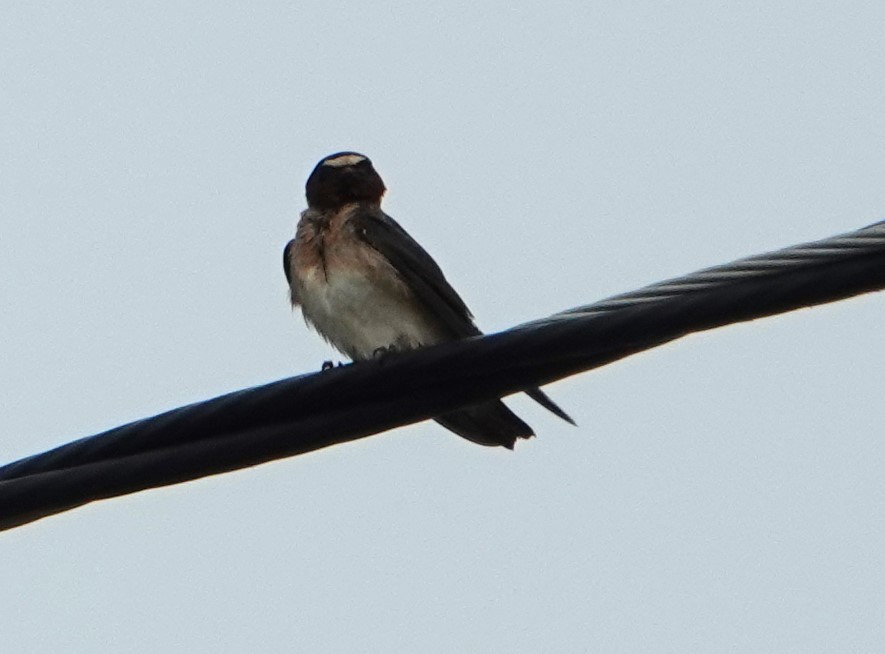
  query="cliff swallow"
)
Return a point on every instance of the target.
[{"x": 368, "y": 288}]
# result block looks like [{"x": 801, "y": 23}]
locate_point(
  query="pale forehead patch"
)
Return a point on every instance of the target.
[{"x": 344, "y": 160}]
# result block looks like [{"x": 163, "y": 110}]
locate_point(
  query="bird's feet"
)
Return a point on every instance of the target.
[{"x": 382, "y": 352}]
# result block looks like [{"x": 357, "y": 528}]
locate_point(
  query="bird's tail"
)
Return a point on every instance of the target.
[
  {"x": 489, "y": 423},
  {"x": 544, "y": 400}
]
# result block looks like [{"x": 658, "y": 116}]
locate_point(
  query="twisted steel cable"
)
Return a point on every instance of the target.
[{"x": 309, "y": 412}]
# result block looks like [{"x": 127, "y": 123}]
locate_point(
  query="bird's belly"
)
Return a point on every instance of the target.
[{"x": 359, "y": 316}]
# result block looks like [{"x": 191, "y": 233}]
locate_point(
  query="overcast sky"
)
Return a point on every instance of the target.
[{"x": 722, "y": 493}]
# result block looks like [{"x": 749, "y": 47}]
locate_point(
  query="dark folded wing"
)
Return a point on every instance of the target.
[
  {"x": 287, "y": 268},
  {"x": 418, "y": 270},
  {"x": 286, "y": 265},
  {"x": 425, "y": 279}
]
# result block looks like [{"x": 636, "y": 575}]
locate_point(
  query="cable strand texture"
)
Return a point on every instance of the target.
[{"x": 309, "y": 412}]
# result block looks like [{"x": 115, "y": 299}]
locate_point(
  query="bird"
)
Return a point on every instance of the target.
[{"x": 366, "y": 286}]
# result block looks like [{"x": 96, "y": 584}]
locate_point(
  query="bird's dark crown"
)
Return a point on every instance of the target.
[{"x": 343, "y": 178}]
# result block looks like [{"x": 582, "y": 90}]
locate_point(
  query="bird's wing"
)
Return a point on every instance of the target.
[
  {"x": 286, "y": 264},
  {"x": 418, "y": 270},
  {"x": 425, "y": 279},
  {"x": 287, "y": 268}
]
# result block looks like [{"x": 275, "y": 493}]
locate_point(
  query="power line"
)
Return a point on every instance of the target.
[{"x": 309, "y": 412}]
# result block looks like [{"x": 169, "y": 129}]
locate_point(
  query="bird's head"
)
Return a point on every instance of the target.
[{"x": 343, "y": 178}]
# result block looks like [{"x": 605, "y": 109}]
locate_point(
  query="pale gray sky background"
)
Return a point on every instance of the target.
[{"x": 723, "y": 493}]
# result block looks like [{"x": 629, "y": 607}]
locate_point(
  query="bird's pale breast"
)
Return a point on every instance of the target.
[{"x": 351, "y": 294}]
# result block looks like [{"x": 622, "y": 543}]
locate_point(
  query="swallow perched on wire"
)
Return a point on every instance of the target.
[{"x": 368, "y": 288}]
